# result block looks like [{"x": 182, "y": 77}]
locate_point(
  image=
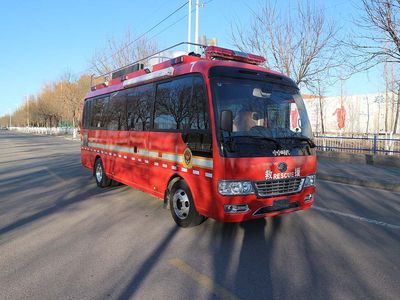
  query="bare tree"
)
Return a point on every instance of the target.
[
  {"x": 394, "y": 89},
  {"x": 72, "y": 93},
  {"x": 4, "y": 120},
  {"x": 57, "y": 101},
  {"x": 119, "y": 53},
  {"x": 50, "y": 105},
  {"x": 368, "y": 116},
  {"x": 320, "y": 91},
  {"x": 302, "y": 45},
  {"x": 62, "y": 100},
  {"x": 391, "y": 98},
  {"x": 377, "y": 39},
  {"x": 397, "y": 115}
]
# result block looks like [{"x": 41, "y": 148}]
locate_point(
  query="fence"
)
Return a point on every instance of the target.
[
  {"x": 47, "y": 130},
  {"x": 364, "y": 145}
]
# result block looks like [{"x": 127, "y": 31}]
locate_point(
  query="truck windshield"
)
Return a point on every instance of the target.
[{"x": 269, "y": 119}]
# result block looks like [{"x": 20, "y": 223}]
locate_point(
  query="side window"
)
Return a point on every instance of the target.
[
  {"x": 181, "y": 104},
  {"x": 87, "y": 113},
  {"x": 115, "y": 118},
  {"x": 98, "y": 112},
  {"x": 138, "y": 108},
  {"x": 197, "y": 115},
  {"x": 171, "y": 104}
]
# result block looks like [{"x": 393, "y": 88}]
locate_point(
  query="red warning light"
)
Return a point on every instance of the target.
[{"x": 213, "y": 52}]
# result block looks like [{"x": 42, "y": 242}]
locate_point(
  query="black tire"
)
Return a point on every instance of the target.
[
  {"x": 115, "y": 183},
  {"x": 100, "y": 175},
  {"x": 182, "y": 206}
]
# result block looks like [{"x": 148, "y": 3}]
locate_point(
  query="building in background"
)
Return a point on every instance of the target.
[{"x": 357, "y": 114}]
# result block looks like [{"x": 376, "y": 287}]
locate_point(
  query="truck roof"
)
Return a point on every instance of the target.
[{"x": 184, "y": 64}]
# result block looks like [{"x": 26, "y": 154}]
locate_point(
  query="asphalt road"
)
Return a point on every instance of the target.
[{"x": 62, "y": 237}]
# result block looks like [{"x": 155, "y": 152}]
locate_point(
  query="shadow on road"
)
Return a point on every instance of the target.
[
  {"x": 252, "y": 276},
  {"x": 304, "y": 255},
  {"x": 148, "y": 265},
  {"x": 59, "y": 205},
  {"x": 32, "y": 188}
]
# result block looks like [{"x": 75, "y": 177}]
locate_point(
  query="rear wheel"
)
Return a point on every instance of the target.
[
  {"x": 100, "y": 175},
  {"x": 182, "y": 206}
]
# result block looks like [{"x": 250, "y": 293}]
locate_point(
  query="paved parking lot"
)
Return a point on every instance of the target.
[{"x": 62, "y": 237}]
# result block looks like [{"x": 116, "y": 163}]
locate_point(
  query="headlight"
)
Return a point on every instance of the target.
[
  {"x": 309, "y": 181},
  {"x": 230, "y": 188}
]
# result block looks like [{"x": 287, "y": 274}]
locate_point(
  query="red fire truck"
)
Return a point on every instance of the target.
[{"x": 214, "y": 136}]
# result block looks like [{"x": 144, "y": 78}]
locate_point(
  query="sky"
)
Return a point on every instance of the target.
[{"x": 41, "y": 40}]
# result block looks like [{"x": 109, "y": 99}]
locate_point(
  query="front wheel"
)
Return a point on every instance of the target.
[
  {"x": 182, "y": 206},
  {"x": 100, "y": 175}
]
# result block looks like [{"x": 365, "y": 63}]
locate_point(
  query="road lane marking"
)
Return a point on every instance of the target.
[
  {"x": 202, "y": 279},
  {"x": 372, "y": 221}
]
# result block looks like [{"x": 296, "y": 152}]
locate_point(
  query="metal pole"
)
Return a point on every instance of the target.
[
  {"x": 10, "y": 116},
  {"x": 197, "y": 26},
  {"x": 189, "y": 24}
]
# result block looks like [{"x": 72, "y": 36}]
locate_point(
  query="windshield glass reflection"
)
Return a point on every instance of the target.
[{"x": 264, "y": 114}]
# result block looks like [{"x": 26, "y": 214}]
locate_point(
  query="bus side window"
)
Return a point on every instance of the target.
[
  {"x": 131, "y": 108},
  {"x": 196, "y": 114},
  {"x": 98, "y": 113},
  {"x": 138, "y": 107},
  {"x": 116, "y": 112},
  {"x": 168, "y": 105},
  {"x": 130, "y": 118},
  {"x": 87, "y": 114},
  {"x": 175, "y": 108}
]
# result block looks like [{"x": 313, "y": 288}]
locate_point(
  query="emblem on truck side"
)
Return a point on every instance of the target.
[{"x": 187, "y": 158}]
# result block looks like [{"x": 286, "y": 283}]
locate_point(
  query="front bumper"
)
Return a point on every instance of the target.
[{"x": 264, "y": 207}]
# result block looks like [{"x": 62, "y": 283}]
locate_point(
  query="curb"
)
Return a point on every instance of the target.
[
  {"x": 366, "y": 183},
  {"x": 363, "y": 159}
]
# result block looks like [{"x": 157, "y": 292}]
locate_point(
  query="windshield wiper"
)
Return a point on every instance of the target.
[
  {"x": 309, "y": 141},
  {"x": 229, "y": 143},
  {"x": 261, "y": 138}
]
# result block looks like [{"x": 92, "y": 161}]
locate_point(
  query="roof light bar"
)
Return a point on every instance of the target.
[
  {"x": 147, "y": 77},
  {"x": 130, "y": 69},
  {"x": 213, "y": 52},
  {"x": 100, "y": 86}
]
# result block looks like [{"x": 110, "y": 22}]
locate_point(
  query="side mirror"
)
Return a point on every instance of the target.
[{"x": 226, "y": 120}]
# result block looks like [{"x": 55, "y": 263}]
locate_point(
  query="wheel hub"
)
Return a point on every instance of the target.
[
  {"x": 99, "y": 173},
  {"x": 181, "y": 204}
]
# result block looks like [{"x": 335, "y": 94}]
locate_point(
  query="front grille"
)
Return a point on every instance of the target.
[
  {"x": 277, "y": 187},
  {"x": 268, "y": 209}
]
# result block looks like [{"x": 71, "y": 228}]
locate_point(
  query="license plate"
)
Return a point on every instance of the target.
[{"x": 281, "y": 204}]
